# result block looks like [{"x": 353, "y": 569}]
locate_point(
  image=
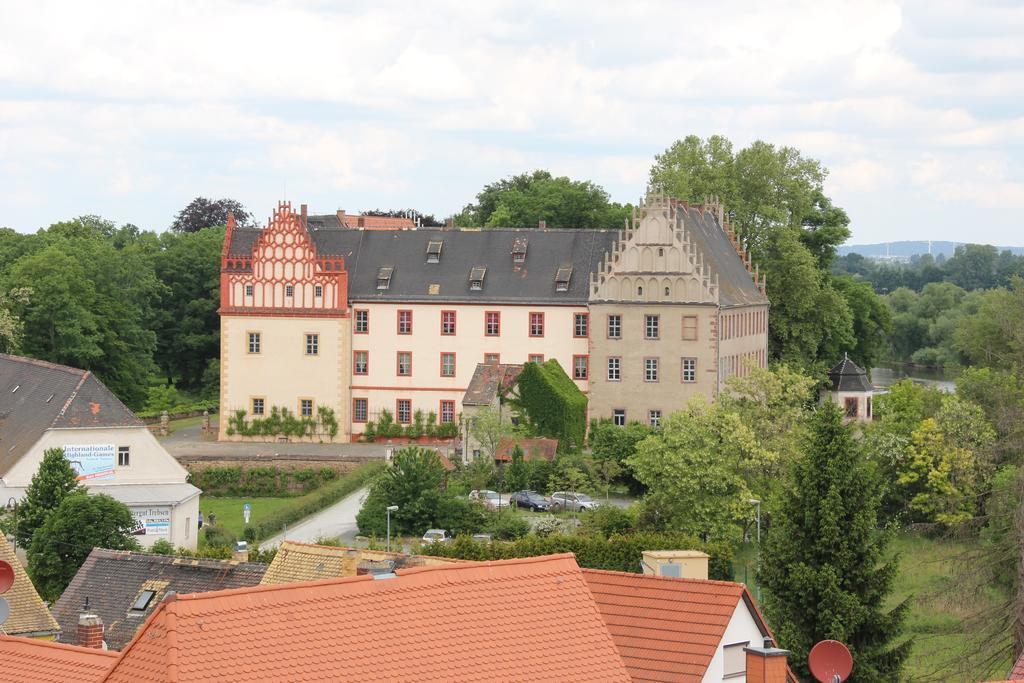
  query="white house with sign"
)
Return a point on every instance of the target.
[{"x": 44, "y": 406}]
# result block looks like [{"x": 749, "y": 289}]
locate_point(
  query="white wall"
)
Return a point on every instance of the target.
[{"x": 742, "y": 628}]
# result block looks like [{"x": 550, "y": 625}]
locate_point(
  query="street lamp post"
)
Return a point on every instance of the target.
[
  {"x": 12, "y": 506},
  {"x": 391, "y": 508},
  {"x": 755, "y": 501}
]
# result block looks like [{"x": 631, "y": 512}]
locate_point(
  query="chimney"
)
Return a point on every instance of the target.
[
  {"x": 341, "y": 217},
  {"x": 766, "y": 664},
  {"x": 543, "y": 224},
  {"x": 90, "y": 631},
  {"x": 449, "y": 223}
]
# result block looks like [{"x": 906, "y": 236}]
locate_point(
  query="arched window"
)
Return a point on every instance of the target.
[
  {"x": 666, "y": 291},
  {"x": 661, "y": 251},
  {"x": 640, "y": 290}
]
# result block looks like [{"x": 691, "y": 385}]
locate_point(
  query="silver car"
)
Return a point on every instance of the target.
[
  {"x": 436, "y": 536},
  {"x": 564, "y": 500},
  {"x": 491, "y": 500}
]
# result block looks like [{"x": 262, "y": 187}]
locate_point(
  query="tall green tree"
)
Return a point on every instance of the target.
[
  {"x": 80, "y": 523},
  {"x": 414, "y": 483},
  {"x": 12, "y": 329},
  {"x": 206, "y": 213},
  {"x": 54, "y": 481},
  {"x": 522, "y": 201},
  {"x": 825, "y": 566}
]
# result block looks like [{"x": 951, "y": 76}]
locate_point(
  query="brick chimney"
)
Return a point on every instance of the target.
[
  {"x": 90, "y": 631},
  {"x": 766, "y": 664}
]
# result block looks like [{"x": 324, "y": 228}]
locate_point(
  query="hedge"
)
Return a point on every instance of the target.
[
  {"x": 314, "y": 502},
  {"x": 260, "y": 481},
  {"x": 182, "y": 409},
  {"x": 553, "y": 403},
  {"x": 622, "y": 552}
]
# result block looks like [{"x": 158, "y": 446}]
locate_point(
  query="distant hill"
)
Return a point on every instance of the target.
[{"x": 909, "y": 248}]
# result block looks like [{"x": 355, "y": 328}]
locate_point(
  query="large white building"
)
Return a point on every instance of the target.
[
  {"x": 339, "y": 312},
  {"x": 45, "y": 406}
]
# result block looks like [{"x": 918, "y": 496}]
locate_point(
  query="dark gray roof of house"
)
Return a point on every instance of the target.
[
  {"x": 848, "y": 376},
  {"x": 414, "y": 279},
  {"x": 736, "y": 286},
  {"x": 36, "y": 395},
  {"x": 112, "y": 580}
]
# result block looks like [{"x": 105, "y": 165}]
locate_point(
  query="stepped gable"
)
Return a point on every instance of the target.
[
  {"x": 848, "y": 376},
  {"x": 114, "y": 580},
  {"x": 36, "y": 395},
  {"x": 469, "y": 621}
]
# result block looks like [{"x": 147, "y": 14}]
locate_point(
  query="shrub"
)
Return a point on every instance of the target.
[
  {"x": 606, "y": 521},
  {"x": 162, "y": 547},
  {"x": 260, "y": 481},
  {"x": 507, "y": 527},
  {"x": 219, "y": 536}
]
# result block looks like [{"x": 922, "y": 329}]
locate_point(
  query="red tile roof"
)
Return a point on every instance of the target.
[
  {"x": 44, "y": 661},
  {"x": 471, "y": 621},
  {"x": 667, "y": 629}
]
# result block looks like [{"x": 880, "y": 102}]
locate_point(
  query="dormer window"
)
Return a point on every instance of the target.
[
  {"x": 519, "y": 250},
  {"x": 434, "y": 251},
  {"x": 384, "y": 277},
  {"x": 476, "y": 278},
  {"x": 562, "y": 278}
]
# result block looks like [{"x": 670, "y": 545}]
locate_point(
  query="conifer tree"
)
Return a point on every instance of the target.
[
  {"x": 824, "y": 567},
  {"x": 51, "y": 484}
]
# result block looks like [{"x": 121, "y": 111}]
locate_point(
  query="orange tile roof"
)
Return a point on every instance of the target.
[
  {"x": 296, "y": 562},
  {"x": 44, "y": 661},
  {"x": 533, "y": 448},
  {"x": 29, "y": 615},
  {"x": 666, "y": 629},
  {"x": 528, "y": 619}
]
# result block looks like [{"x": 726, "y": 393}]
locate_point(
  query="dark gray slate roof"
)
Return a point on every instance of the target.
[
  {"x": 848, "y": 376},
  {"x": 735, "y": 285},
  {"x": 414, "y": 279},
  {"x": 113, "y": 579},
  {"x": 36, "y": 395},
  {"x": 366, "y": 251}
]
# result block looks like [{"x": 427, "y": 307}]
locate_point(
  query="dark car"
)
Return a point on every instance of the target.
[{"x": 530, "y": 500}]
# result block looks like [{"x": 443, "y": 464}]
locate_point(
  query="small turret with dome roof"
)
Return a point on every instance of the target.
[{"x": 849, "y": 387}]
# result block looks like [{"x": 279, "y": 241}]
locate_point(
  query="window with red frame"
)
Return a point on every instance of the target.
[
  {"x": 581, "y": 325},
  {"x": 492, "y": 358},
  {"x": 447, "y": 364},
  {"x": 405, "y": 322},
  {"x": 492, "y": 323},
  {"x": 404, "y": 363},
  {"x": 447, "y": 323},
  {"x": 362, "y": 321},
  {"x": 536, "y": 358},
  {"x": 447, "y": 412},
  {"x": 360, "y": 411},
  {"x": 360, "y": 362},
  {"x": 580, "y": 367},
  {"x": 403, "y": 411},
  {"x": 536, "y": 324}
]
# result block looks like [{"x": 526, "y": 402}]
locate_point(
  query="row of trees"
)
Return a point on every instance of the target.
[{"x": 972, "y": 266}]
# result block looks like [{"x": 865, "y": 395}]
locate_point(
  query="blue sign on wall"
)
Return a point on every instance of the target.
[{"x": 92, "y": 461}]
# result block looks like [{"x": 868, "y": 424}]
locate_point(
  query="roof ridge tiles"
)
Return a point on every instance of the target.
[
  {"x": 53, "y": 644},
  {"x": 43, "y": 364},
  {"x": 670, "y": 579}
]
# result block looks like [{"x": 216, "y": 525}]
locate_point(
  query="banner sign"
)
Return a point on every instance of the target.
[
  {"x": 152, "y": 521},
  {"x": 92, "y": 461}
]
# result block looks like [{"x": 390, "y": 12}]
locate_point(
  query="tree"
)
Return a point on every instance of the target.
[
  {"x": 207, "y": 213},
  {"x": 692, "y": 473},
  {"x": 516, "y": 475},
  {"x": 524, "y": 200},
  {"x": 11, "y": 327},
  {"x": 938, "y": 477},
  {"x": 824, "y": 565},
  {"x": 488, "y": 428},
  {"x": 188, "y": 264},
  {"x": 54, "y": 481},
  {"x": 80, "y": 523},
  {"x": 994, "y": 336},
  {"x": 413, "y": 482},
  {"x": 610, "y": 442}
]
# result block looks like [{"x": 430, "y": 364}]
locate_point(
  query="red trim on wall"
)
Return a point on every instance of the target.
[
  {"x": 448, "y": 390},
  {"x": 283, "y": 312}
]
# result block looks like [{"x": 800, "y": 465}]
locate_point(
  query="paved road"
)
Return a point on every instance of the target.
[{"x": 339, "y": 520}]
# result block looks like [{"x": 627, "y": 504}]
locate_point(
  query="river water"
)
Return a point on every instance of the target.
[{"x": 884, "y": 376}]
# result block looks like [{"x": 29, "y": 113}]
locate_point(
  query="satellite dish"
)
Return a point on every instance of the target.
[
  {"x": 830, "y": 661},
  {"x": 6, "y": 576},
  {"x": 5, "y": 610}
]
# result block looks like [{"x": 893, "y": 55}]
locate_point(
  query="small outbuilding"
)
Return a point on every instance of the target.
[{"x": 849, "y": 388}]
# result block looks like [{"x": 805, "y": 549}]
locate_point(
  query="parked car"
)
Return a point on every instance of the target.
[
  {"x": 490, "y": 499},
  {"x": 483, "y": 538},
  {"x": 564, "y": 500},
  {"x": 436, "y": 536},
  {"x": 530, "y": 500}
]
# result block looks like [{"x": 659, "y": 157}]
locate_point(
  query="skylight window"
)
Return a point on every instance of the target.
[
  {"x": 142, "y": 602},
  {"x": 384, "y": 277},
  {"x": 519, "y": 245},
  {"x": 476, "y": 278},
  {"x": 562, "y": 278},
  {"x": 434, "y": 251}
]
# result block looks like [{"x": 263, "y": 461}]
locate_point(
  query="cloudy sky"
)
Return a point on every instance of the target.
[{"x": 129, "y": 110}]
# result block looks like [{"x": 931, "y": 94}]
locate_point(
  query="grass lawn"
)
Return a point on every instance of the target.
[{"x": 229, "y": 510}]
